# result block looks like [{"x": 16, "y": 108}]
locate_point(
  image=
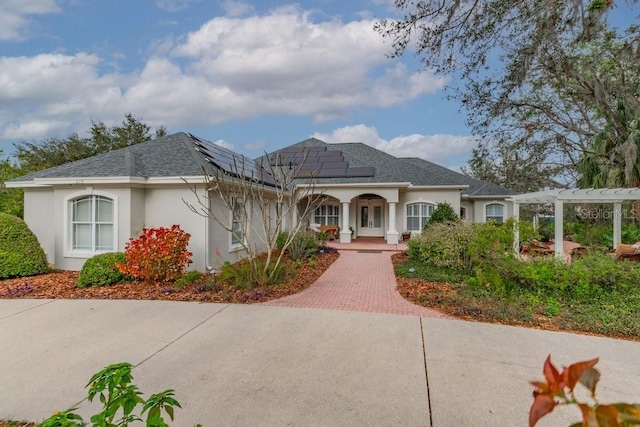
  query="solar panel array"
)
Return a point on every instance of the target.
[
  {"x": 230, "y": 162},
  {"x": 318, "y": 162}
]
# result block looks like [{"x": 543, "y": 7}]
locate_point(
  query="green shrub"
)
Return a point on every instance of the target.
[
  {"x": 304, "y": 245},
  {"x": 443, "y": 245},
  {"x": 101, "y": 270},
  {"x": 282, "y": 239},
  {"x": 20, "y": 251},
  {"x": 187, "y": 278},
  {"x": 241, "y": 274},
  {"x": 465, "y": 246},
  {"x": 443, "y": 212}
]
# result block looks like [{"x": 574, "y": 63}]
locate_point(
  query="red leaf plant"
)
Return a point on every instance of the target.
[
  {"x": 558, "y": 390},
  {"x": 158, "y": 255}
]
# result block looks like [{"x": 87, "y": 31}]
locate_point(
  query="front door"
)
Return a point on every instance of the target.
[{"x": 370, "y": 221}]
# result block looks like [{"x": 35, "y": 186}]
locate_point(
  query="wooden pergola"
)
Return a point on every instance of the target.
[{"x": 559, "y": 197}]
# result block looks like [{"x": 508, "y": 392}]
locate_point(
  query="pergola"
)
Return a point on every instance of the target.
[{"x": 559, "y": 197}]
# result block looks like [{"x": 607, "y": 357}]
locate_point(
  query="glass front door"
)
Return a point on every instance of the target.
[{"x": 370, "y": 221}]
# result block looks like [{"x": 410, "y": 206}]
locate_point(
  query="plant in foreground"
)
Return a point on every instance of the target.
[
  {"x": 113, "y": 386},
  {"x": 559, "y": 390}
]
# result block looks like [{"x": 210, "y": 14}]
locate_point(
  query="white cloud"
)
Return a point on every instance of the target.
[
  {"x": 282, "y": 63},
  {"x": 174, "y": 5},
  {"x": 14, "y": 22},
  {"x": 445, "y": 150},
  {"x": 47, "y": 94},
  {"x": 236, "y": 8}
]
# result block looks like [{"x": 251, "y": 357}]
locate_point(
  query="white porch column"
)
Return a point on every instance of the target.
[
  {"x": 559, "y": 229},
  {"x": 392, "y": 233},
  {"x": 345, "y": 233},
  {"x": 516, "y": 228},
  {"x": 617, "y": 224}
]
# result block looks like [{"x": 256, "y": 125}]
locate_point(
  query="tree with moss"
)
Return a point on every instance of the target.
[{"x": 539, "y": 80}]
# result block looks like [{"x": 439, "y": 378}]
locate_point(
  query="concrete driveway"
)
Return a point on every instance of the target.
[{"x": 238, "y": 365}]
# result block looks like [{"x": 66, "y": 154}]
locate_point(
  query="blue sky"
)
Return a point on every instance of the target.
[{"x": 253, "y": 76}]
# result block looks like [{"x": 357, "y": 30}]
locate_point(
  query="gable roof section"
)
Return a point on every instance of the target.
[
  {"x": 386, "y": 168},
  {"x": 476, "y": 187},
  {"x": 173, "y": 156},
  {"x": 169, "y": 156}
]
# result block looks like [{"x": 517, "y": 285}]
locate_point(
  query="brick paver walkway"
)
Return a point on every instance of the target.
[{"x": 357, "y": 281}]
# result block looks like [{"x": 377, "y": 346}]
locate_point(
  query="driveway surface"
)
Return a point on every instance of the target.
[
  {"x": 239, "y": 365},
  {"x": 348, "y": 351}
]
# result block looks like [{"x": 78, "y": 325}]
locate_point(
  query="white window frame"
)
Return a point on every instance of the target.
[
  {"x": 488, "y": 218},
  {"x": 463, "y": 212},
  {"x": 322, "y": 218},
  {"x": 422, "y": 219},
  {"x": 233, "y": 244},
  {"x": 69, "y": 201}
]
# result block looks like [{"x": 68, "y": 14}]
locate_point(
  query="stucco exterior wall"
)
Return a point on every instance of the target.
[
  {"x": 164, "y": 206},
  {"x": 425, "y": 196},
  {"x": 479, "y": 209},
  {"x": 39, "y": 214}
]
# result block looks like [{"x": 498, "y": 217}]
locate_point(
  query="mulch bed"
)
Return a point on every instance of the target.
[{"x": 61, "y": 285}]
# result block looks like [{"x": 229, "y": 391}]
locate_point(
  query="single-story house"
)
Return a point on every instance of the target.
[{"x": 96, "y": 204}]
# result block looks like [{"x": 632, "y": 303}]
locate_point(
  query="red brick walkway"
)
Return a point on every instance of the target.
[{"x": 357, "y": 281}]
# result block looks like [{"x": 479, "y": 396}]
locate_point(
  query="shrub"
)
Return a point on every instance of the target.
[
  {"x": 282, "y": 239},
  {"x": 101, "y": 270},
  {"x": 465, "y": 246},
  {"x": 20, "y": 251},
  {"x": 188, "y": 278},
  {"x": 304, "y": 245},
  {"x": 443, "y": 212},
  {"x": 242, "y": 276},
  {"x": 443, "y": 245},
  {"x": 159, "y": 254}
]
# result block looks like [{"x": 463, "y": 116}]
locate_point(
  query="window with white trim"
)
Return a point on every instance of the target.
[
  {"x": 494, "y": 212},
  {"x": 92, "y": 224},
  {"x": 237, "y": 223},
  {"x": 463, "y": 213},
  {"x": 327, "y": 214},
  {"x": 418, "y": 215}
]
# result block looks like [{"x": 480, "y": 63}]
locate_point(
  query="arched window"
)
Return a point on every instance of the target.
[
  {"x": 494, "y": 212},
  {"x": 418, "y": 215},
  {"x": 92, "y": 224}
]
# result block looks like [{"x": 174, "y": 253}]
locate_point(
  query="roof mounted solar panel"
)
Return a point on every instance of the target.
[{"x": 230, "y": 162}]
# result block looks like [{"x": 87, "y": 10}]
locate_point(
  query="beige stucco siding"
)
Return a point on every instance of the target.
[
  {"x": 164, "y": 206},
  {"x": 39, "y": 214},
  {"x": 425, "y": 196}
]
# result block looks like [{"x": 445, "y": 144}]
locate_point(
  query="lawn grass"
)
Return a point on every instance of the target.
[{"x": 604, "y": 310}]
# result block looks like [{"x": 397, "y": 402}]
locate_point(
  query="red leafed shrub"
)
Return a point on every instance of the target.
[{"x": 158, "y": 255}]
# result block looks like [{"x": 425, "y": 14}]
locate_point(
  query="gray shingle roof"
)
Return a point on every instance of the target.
[
  {"x": 176, "y": 156},
  {"x": 388, "y": 168},
  {"x": 476, "y": 187},
  {"x": 169, "y": 156}
]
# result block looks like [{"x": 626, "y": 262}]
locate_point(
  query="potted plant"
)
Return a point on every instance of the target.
[
  {"x": 352, "y": 230},
  {"x": 406, "y": 235}
]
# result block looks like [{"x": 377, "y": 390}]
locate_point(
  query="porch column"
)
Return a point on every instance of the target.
[
  {"x": 392, "y": 233},
  {"x": 559, "y": 229},
  {"x": 617, "y": 224},
  {"x": 516, "y": 228},
  {"x": 345, "y": 233}
]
